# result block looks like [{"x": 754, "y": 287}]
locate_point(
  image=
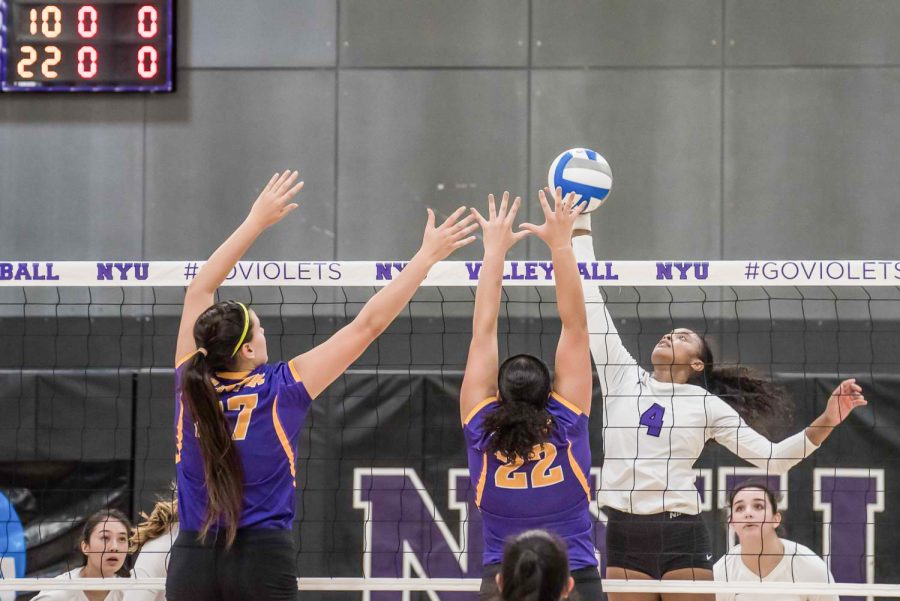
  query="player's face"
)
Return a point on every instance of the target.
[
  {"x": 258, "y": 340},
  {"x": 681, "y": 346},
  {"x": 106, "y": 548},
  {"x": 752, "y": 514}
]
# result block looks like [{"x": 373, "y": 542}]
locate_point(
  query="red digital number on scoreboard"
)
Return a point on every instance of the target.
[{"x": 66, "y": 43}]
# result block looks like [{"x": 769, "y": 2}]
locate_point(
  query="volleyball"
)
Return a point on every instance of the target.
[{"x": 584, "y": 172}]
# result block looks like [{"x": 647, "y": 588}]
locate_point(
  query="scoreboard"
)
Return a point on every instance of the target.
[{"x": 86, "y": 45}]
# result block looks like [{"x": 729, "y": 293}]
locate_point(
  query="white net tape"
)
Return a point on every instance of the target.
[
  {"x": 773, "y": 589},
  {"x": 748, "y": 272}
]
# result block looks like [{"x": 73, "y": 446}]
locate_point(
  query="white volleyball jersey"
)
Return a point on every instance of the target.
[
  {"x": 653, "y": 432},
  {"x": 73, "y": 595},
  {"x": 799, "y": 564}
]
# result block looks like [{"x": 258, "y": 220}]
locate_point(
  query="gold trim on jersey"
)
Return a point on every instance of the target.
[
  {"x": 478, "y": 408},
  {"x": 248, "y": 382},
  {"x": 566, "y": 403},
  {"x": 181, "y": 361},
  {"x": 285, "y": 443},
  {"x": 576, "y": 469},
  {"x": 179, "y": 432},
  {"x": 233, "y": 375},
  {"x": 294, "y": 371},
  {"x": 479, "y": 490}
]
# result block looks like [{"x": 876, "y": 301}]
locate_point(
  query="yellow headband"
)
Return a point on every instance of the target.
[{"x": 246, "y": 327}]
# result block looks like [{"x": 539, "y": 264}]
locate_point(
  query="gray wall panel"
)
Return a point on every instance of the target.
[
  {"x": 212, "y": 147},
  {"x": 269, "y": 33},
  {"x": 473, "y": 33},
  {"x": 812, "y": 32},
  {"x": 811, "y": 163},
  {"x": 632, "y": 33},
  {"x": 659, "y": 130},
  {"x": 411, "y": 139},
  {"x": 70, "y": 177}
]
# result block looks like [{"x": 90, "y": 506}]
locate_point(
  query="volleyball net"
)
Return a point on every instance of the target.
[{"x": 86, "y": 395}]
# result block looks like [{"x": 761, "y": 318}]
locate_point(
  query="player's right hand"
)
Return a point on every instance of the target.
[
  {"x": 274, "y": 202},
  {"x": 497, "y": 228},
  {"x": 438, "y": 242},
  {"x": 556, "y": 231}
]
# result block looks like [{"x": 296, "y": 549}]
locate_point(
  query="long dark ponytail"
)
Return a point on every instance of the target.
[
  {"x": 217, "y": 331},
  {"x": 520, "y": 420},
  {"x": 763, "y": 404},
  {"x": 535, "y": 568}
]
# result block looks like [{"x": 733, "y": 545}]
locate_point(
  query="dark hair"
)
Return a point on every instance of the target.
[
  {"x": 521, "y": 420},
  {"x": 535, "y": 567},
  {"x": 218, "y": 330},
  {"x": 104, "y": 515},
  {"x": 764, "y": 405},
  {"x": 772, "y": 496}
]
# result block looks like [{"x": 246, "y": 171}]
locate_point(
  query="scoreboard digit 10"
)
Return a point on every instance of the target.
[{"x": 86, "y": 45}]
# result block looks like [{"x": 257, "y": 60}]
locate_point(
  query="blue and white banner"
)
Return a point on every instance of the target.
[{"x": 748, "y": 272}]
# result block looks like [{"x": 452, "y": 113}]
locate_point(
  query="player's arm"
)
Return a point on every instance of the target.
[
  {"x": 480, "y": 378},
  {"x": 272, "y": 205},
  {"x": 843, "y": 400},
  {"x": 614, "y": 363},
  {"x": 323, "y": 364},
  {"x": 573, "y": 354},
  {"x": 733, "y": 433}
]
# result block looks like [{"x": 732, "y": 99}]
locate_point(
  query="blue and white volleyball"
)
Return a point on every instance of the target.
[{"x": 584, "y": 172}]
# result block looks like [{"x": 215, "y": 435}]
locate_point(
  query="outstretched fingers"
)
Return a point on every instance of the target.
[
  {"x": 522, "y": 233},
  {"x": 451, "y": 220},
  {"x": 504, "y": 205},
  {"x": 545, "y": 206},
  {"x": 286, "y": 185},
  {"x": 511, "y": 216},
  {"x": 463, "y": 242},
  {"x": 271, "y": 183},
  {"x": 282, "y": 178},
  {"x": 293, "y": 191}
]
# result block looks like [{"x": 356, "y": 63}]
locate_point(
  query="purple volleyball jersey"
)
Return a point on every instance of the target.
[
  {"x": 550, "y": 492},
  {"x": 265, "y": 409}
]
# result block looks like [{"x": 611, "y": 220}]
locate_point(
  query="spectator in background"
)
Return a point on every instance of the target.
[
  {"x": 762, "y": 556},
  {"x": 104, "y": 544},
  {"x": 535, "y": 568},
  {"x": 152, "y": 543}
]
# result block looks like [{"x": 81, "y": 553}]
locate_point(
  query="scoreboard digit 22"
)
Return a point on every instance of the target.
[{"x": 86, "y": 45}]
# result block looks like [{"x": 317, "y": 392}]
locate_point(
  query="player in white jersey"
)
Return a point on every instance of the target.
[
  {"x": 655, "y": 425},
  {"x": 762, "y": 556}
]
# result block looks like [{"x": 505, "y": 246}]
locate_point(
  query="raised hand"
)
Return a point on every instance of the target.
[
  {"x": 274, "y": 202},
  {"x": 556, "y": 231},
  {"x": 438, "y": 242},
  {"x": 497, "y": 228},
  {"x": 845, "y": 398}
]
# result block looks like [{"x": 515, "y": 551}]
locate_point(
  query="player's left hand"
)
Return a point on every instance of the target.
[
  {"x": 439, "y": 241},
  {"x": 845, "y": 398},
  {"x": 556, "y": 231}
]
